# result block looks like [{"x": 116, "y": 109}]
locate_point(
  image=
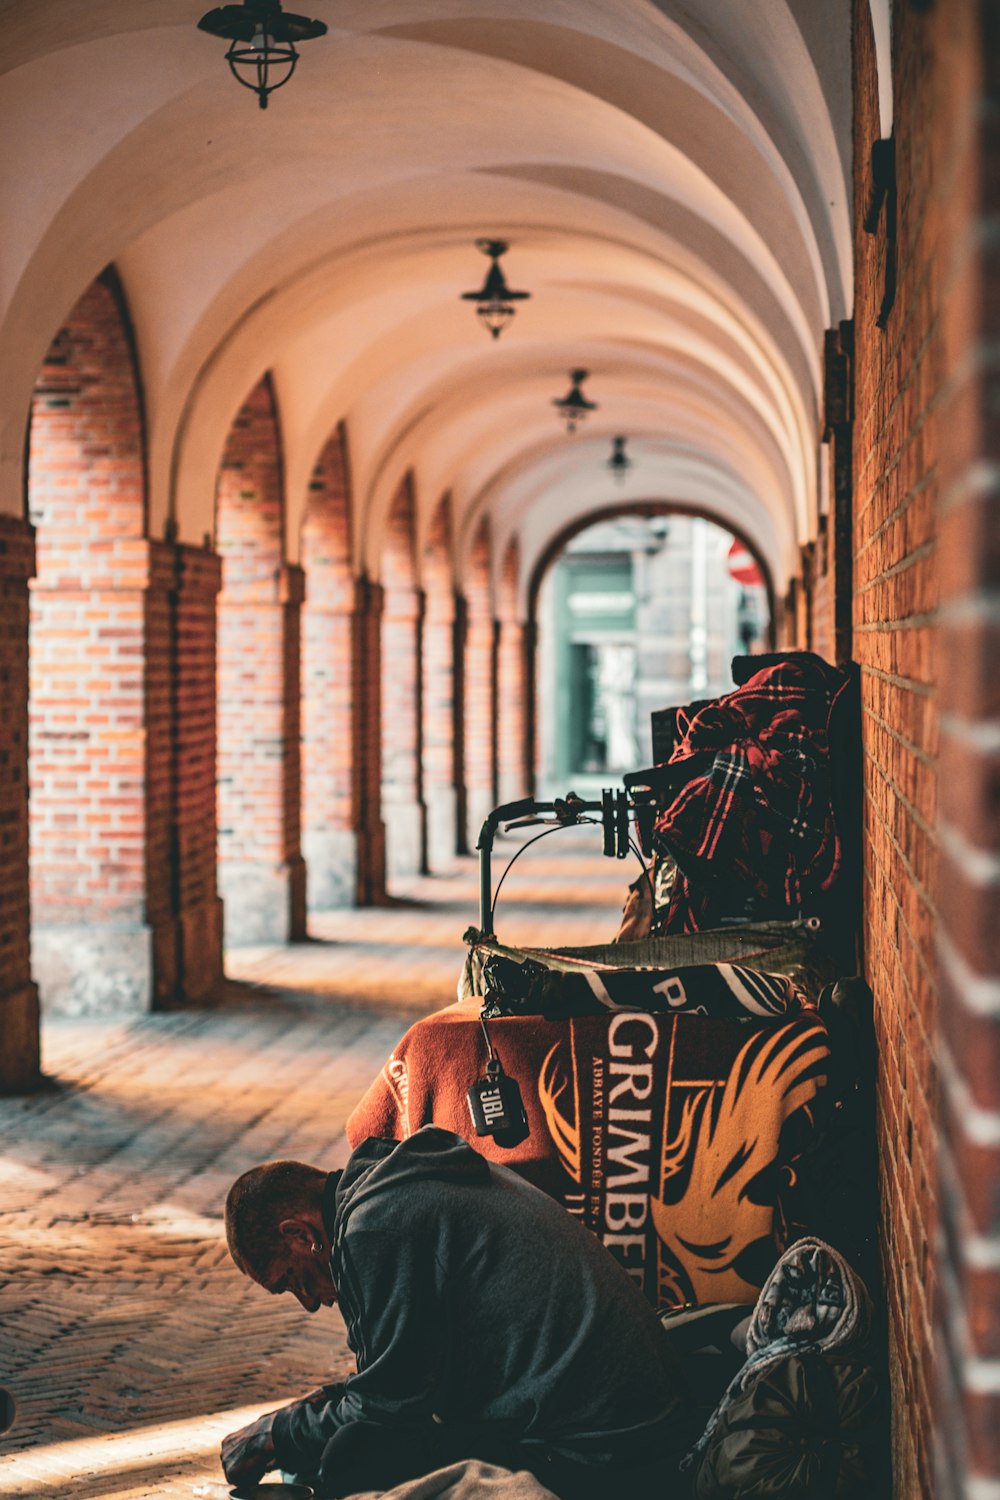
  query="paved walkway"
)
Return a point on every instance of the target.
[{"x": 129, "y": 1339}]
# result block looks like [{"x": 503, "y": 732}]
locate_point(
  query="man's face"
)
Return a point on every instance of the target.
[{"x": 299, "y": 1270}]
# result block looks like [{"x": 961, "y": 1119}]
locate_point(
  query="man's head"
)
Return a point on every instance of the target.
[{"x": 276, "y": 1233}]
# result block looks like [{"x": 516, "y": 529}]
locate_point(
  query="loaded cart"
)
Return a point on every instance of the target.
[{"x": 697, "y": 1091}]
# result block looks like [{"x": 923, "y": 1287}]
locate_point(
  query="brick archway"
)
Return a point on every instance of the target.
[
  {"x": 103, "y": 934},
  {"x": 512, "y": 768},
  {"x": 261, "y": 872},
  {"x": 438, "y": 689},
  {"x": 328, "y": 840},
  {"x": 402, "y": 608},
  {"x": 478, "y": 791}
]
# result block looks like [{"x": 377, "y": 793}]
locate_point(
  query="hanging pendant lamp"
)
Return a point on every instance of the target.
[
  {"x": 619, "y": 463},
  {"x": 495, "y": 298},
  {"x": 262, "y": 39},
  {"x": 574, "y": 406}
]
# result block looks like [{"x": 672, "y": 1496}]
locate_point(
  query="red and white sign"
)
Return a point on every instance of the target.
[{"x": 743, "y": 566}]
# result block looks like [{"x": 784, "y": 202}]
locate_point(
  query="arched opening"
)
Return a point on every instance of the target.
[
  {"x": 261, "y": 873},
  {"x": 512, "y": 763},
  {"x": 635, "y": 611},
  {"x": 401, "y": 609},
  {"x": 328, "y": 841},
  {"x": 437, "y": 657},
  {"x": 99, "y": 684},
  {"x": 479, "y": 789}
]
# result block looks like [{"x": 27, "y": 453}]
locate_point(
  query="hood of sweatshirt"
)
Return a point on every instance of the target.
[{"x": 378, "y": 1165}]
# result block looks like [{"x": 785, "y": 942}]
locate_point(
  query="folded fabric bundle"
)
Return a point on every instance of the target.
[
  {"x": 672, "y": 1138},
  {"x": 808, "y": 1428},
  {"x": 812, "y": 1303},
  {"x": 468, "y": 1480},
  {"x": 788, "y": 948},
  {"x": 726, "y": 991},
  {"x": 754, "y": 820}
]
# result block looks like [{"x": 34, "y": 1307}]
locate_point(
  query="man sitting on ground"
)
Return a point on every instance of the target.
[{"x": 487, "y": 1323}]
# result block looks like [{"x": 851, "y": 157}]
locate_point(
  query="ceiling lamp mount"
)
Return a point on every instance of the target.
[
  {"x": 619, "y": 463},
  {"x": 495, "y": 297},
  {"x": 574, "y": 406},
  {"x": 262, "y": 39}
]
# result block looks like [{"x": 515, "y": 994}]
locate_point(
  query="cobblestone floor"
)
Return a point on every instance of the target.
[{"x": 130, "y": 1341}]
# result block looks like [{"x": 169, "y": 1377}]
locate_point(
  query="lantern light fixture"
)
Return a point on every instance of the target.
[
  {"x": 619, "y": 463},
  {"x": 574, "y": 406},
  {"x": 495, "y": 297},
  {"x": 262, "y": 39}
]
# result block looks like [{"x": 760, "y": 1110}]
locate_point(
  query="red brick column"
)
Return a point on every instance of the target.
[
  {"x": 961, "y": 42},
  {"x": 18, "y": 994},
  {"x": 511, "y": 721},
  {"x": 99, "y": 678},
  {"x": 196, "y": 903},
  {"x": 366, "y": 737},
  {"x": 402, "y": 611},
  {"x": 261, "y": 872},
  {"x": 328, "y": 837},
  {"x": 437, "y": 658},
  {"x": 478, "y": 689}
]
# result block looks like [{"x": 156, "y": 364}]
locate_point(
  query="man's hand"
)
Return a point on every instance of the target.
[{"x": 248, "y": 1454}]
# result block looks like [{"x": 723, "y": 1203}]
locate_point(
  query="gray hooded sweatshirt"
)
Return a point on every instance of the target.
[{"x": 472, "y": 1297}]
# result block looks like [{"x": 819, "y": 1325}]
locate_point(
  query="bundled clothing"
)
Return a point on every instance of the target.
[
  {"x": 806, "y": 1365},
  {"x": 753, "y": 824},
  {"x": 468, "y": 1480},
  {"x": 482, "y": 1315},
  {"x": 726, "y": 991},
  {"x": 790, "y": 948}
]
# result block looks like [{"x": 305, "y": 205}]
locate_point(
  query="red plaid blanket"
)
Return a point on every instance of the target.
[{"x": 755, "y": 818}]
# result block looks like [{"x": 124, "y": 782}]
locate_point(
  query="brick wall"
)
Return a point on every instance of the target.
[
  {"x": 511, "y": 686},
  {"x": 197, "y": 581},
  {"x": 19, "y": 1057},
  {"x": 897, "y": 437},
  {"x": 437, "y": 657},
  {"x": 402, "y": 607},
  {"x": 86, "y": 499},
  {"x": 963, "y": 108},
  {"x": 158, "y": 717},
  {"x": 478, "y": 687},
  {"x": 99, "y": 665},
  {"x": 261, "y": 873},
  {"x": 366, "y": 738},
  {"x": 327, "y": 632}
]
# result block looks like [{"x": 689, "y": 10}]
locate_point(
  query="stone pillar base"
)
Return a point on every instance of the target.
[
  {"x": 19, "y": 1055},
  {"x": 371, "y": 863},
  {"x": 332, "y": 863},
  {"x": 199, "y": 935},
  {"x": 296, "y": 867},
  {"x": 442, "y": 828},
  {"x": 404, "y": 836},
  {"x": 93, "y": 968},
  {"x": 264, "y": 903}
]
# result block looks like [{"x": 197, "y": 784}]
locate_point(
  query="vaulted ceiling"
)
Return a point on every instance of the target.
[{"x": 673, "y": 179}]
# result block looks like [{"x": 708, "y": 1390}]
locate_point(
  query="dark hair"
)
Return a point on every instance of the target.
[{"x": 257, "y": 1203}]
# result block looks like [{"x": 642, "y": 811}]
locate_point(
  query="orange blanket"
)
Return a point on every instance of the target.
[{"x": 669, "y": 1136}]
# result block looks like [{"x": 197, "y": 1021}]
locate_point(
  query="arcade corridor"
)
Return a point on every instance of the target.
[
  {"x": 276, "y": 514},
  {"x": 112, "y": 1178}
]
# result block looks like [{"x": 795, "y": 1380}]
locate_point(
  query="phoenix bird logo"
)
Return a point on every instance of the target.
[
  {"x": 553, "y": 1081},
  {"x": 715, "y": 1202}
]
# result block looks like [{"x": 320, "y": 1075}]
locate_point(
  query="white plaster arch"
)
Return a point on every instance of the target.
[
  {"x": 664, "y": 475},
  {"x": 675, "y": 185}
]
